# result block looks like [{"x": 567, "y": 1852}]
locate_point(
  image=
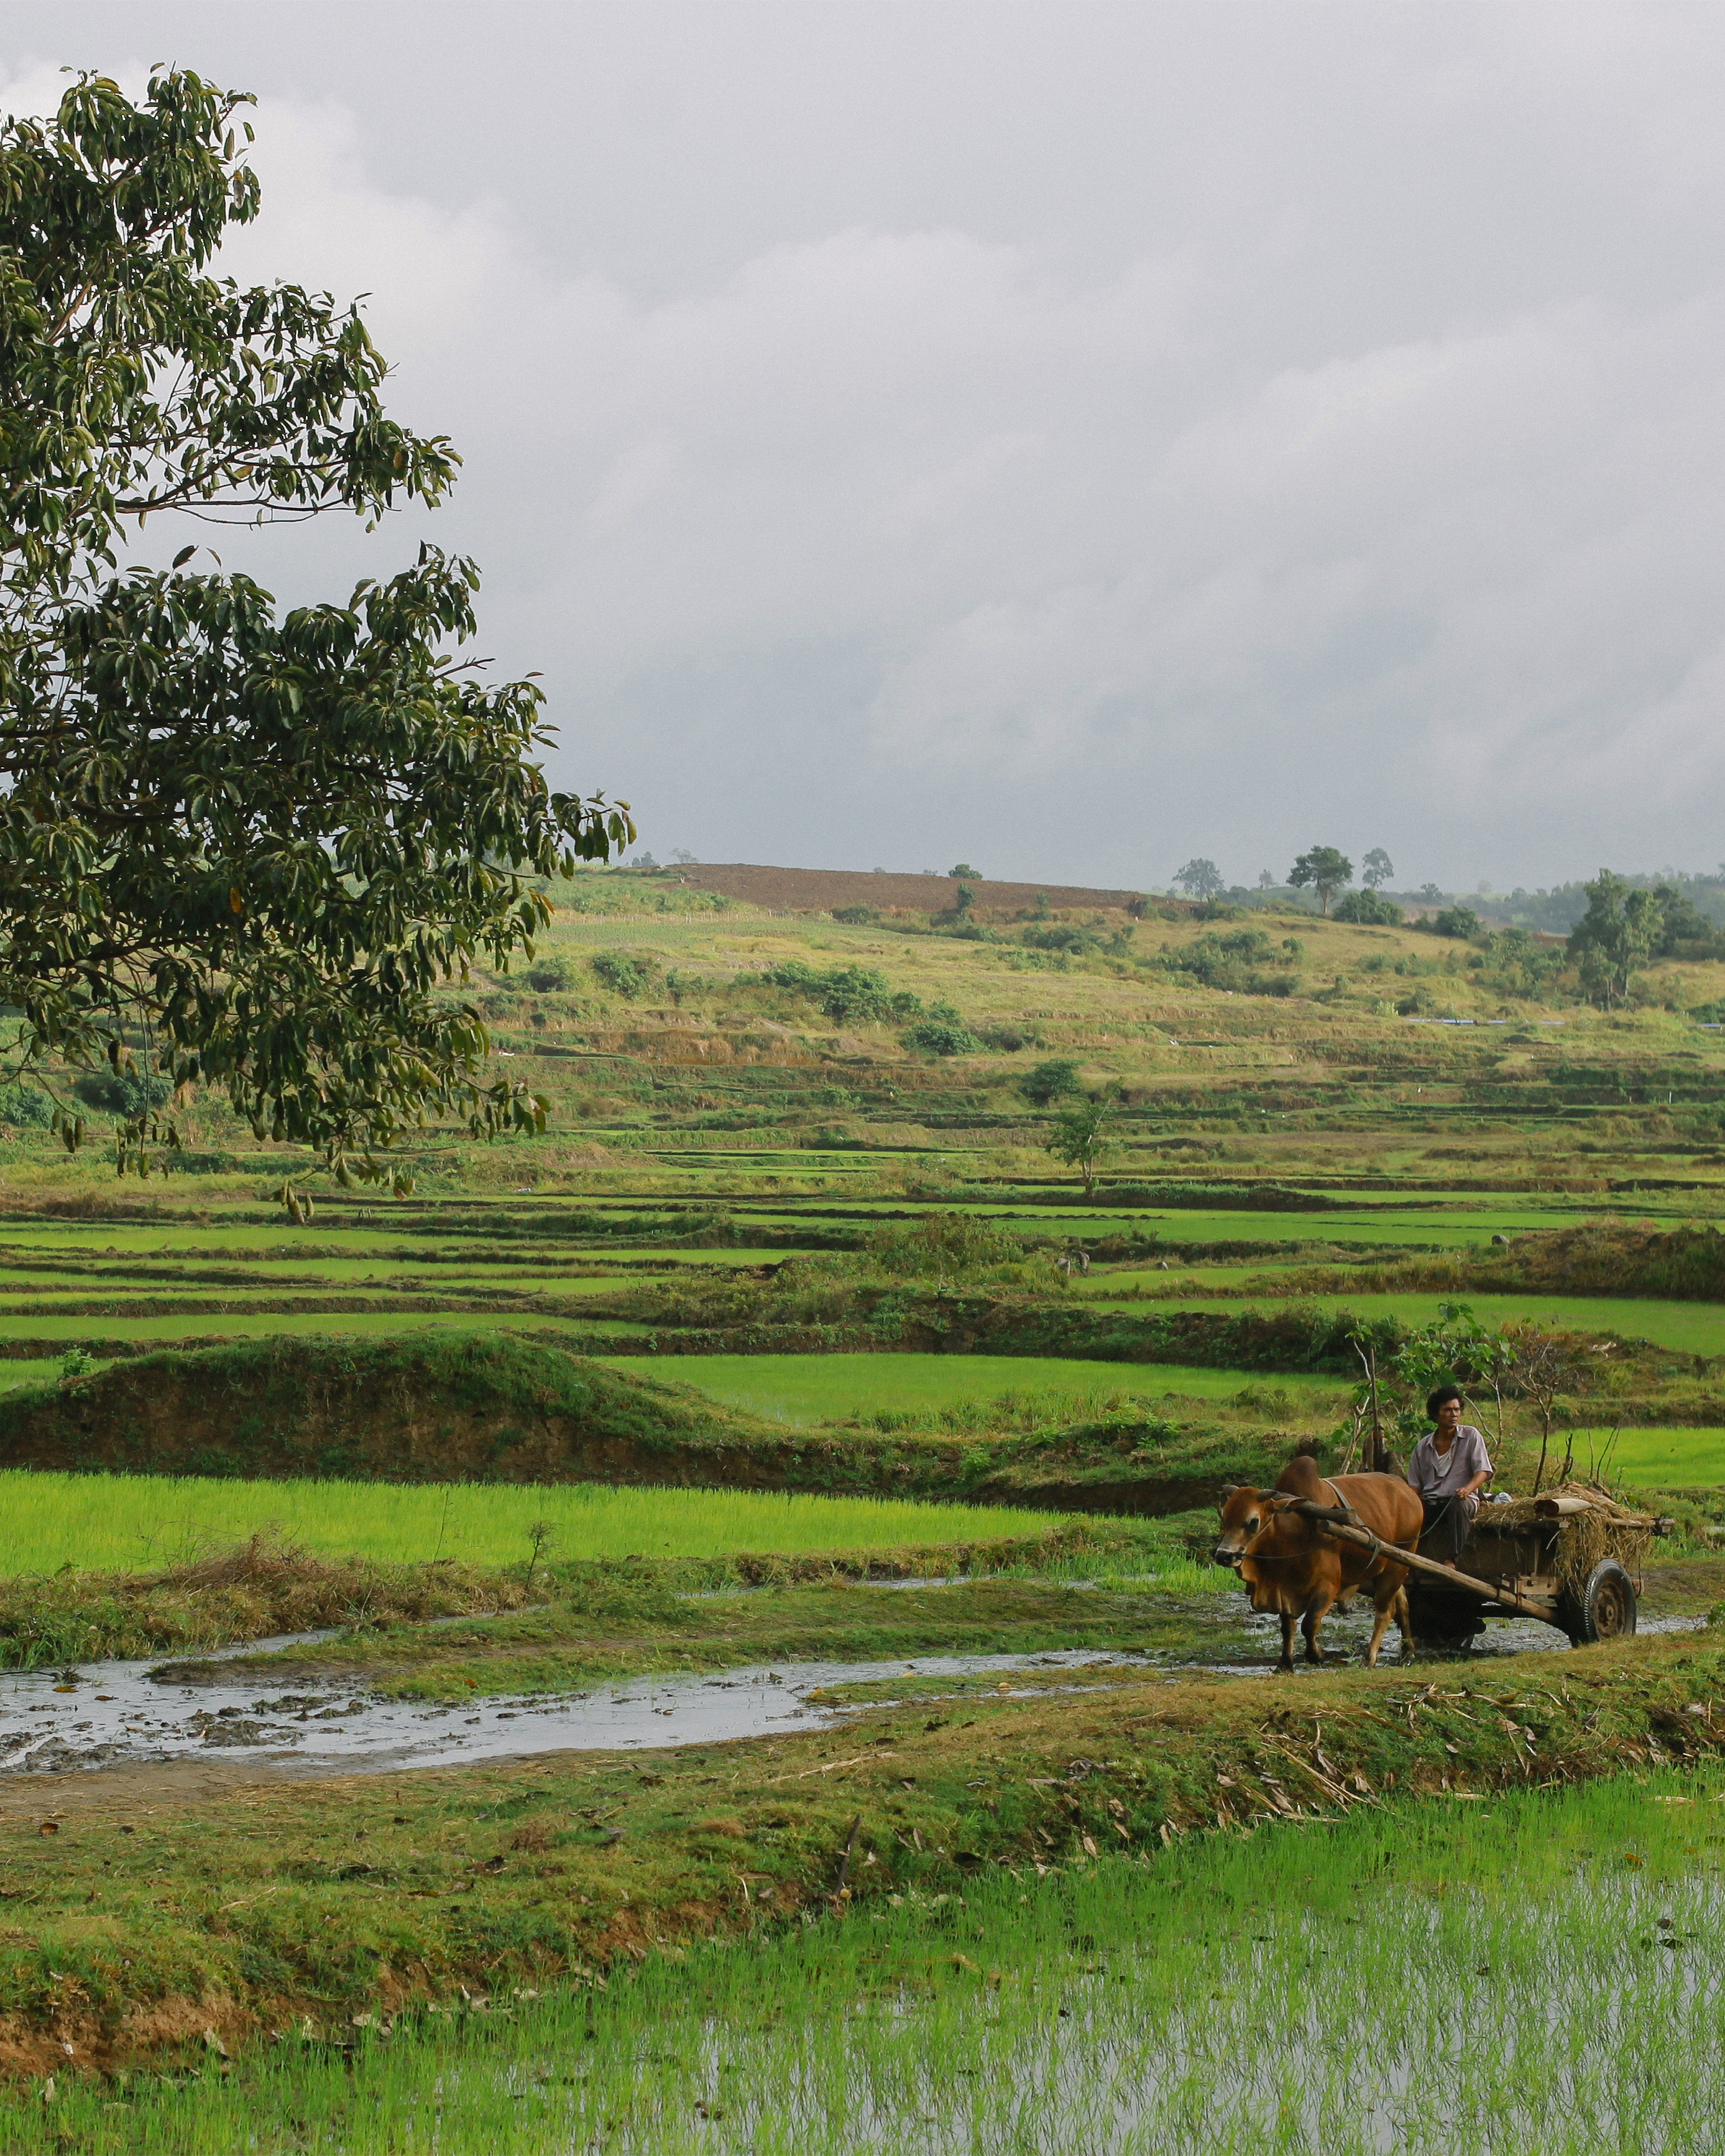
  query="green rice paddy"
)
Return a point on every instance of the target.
[
  {"x": 1657, "y": 1459},
  {"x": 141, "y": 1522},
  {"x": 1540, "y": 1972},
  {"x": 1695, "y": 1328},
  {"x": 805, "y": 1388}
]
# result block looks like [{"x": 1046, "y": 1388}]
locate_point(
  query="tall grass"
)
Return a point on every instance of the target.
[
  {"x": 1540, "y": 1973},
  {"x": 122, "y": 1522}
]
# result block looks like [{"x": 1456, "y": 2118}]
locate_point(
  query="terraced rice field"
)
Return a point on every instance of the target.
[
  {"x": 142, "y": 1522},
  {"x": 811, "y": 1389},
  {"x": 1696, "y": 1328},
  {"x": 1657, "y": 1459}
]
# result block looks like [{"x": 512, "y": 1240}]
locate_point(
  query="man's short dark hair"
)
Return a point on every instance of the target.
[{"x": 1434, "y": 1401}]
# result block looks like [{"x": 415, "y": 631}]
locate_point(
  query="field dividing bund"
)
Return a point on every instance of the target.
[{"x": 124, "y": 1522}]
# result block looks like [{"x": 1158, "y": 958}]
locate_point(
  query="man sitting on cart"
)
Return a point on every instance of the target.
[{"x": 1449, "y": 1468}]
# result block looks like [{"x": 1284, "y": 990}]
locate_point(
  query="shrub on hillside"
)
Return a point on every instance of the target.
[
  {"x": 943, "y": 1032},
  {"x": 1237, "y": 961},
  {"x": 849, "y": 995},
  {"x": 626, "y": 973},
  {"x": 1076, "y": 943},
  {"x": 1049, "y": 1081},
  {"x": 1461, "y": 922},
  {"x": 126, "y": 1093},
  {"x": 943, "y": 1245},
  {"x": 26, "y": 1107},
  {"x": 1369, "y": 908},
  {"x": 552, "y": 973}
]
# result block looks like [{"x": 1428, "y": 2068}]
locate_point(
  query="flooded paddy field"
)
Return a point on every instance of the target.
[{"x": 1539, "y": 1969}]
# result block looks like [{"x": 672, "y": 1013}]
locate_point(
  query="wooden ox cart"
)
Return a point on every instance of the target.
[{"x": 1571, "y": 1558}]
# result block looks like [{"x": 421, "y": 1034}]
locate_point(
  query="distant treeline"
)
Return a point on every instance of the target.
[{"x": 1553, "y": 912}]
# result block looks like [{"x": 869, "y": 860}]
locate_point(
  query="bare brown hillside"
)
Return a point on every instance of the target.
[{"x": 819, "y": 891}]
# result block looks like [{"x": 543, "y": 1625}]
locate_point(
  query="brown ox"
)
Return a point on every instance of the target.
[{"x": 1288, "y": 1564}]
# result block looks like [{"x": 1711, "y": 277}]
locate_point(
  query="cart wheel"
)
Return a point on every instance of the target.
[{"x": 1603, "y": 1610}]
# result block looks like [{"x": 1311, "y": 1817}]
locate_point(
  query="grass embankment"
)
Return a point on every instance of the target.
[
  {"x": 1533, "y": 1973},
  {"x": 498, "y": 1408},
  {"x": 587, "y": 1609},
  {"x": 145, "y": 1921},
  {"x": 1679, "y": 1329}
]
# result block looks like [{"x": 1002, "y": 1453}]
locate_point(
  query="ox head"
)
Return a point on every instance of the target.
[{"x": 1243, "y": 1511}]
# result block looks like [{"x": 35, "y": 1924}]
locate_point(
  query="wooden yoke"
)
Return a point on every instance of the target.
[{"x": 1345, "y": 1524}]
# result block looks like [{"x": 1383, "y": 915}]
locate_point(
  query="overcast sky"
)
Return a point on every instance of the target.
[{"x": 1063, "y": 437}]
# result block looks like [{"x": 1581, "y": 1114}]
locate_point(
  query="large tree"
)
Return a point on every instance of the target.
[
  {"x": 1200, "y": 878},
  {"x": 1619, "y": 931},
  {"x": 246, "y": 849},
  {"x": 1325, "y": 870}
]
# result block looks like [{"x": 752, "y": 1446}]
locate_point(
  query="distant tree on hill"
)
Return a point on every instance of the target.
[
  {"x": 1325, "y": 869},
  {"x": 1461, "y": 922},
  {"x": 1619, "y": 931},
  {"x": 1200, "y": 879},
  {"x": 964, "y": 868},
  {"x": 1266, "y": 881},
  {"x": 1080, "y": 1136},
  {"x": 1377, "y": 868}
]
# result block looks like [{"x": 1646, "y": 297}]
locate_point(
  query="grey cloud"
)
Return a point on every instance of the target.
[{"x": 1065, "y": 438}]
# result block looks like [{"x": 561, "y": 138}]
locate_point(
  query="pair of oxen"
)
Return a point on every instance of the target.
[{"x": 1288, "y": 1564}]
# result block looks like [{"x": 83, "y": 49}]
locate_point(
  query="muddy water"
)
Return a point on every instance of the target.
[{"x": 116, "y": 1715}]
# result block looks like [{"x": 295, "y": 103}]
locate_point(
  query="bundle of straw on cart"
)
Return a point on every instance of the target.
[{"x": 1590, "y": 1525}]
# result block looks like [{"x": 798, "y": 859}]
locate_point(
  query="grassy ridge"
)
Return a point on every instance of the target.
[{"x": 425, "y": 1408}]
